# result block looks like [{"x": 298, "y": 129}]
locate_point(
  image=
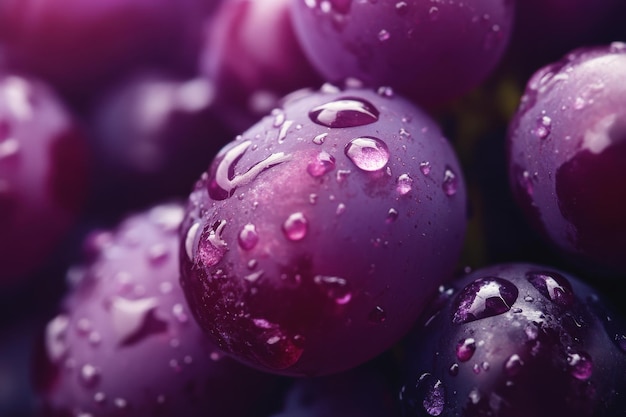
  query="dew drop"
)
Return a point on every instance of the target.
[
  {"x": 454, "y": 369},
  {"x": 383, "y": 35},
  {"x": 581, "y": 365},
  {"x": 319, "y": 139},
  {"x": 191, "y": 240},
  {"x": 450, "y": 183},
  {"x": 9, "y": 147},
  {"x": 89, "y": 376},
  {"x": 56, "y": 331},
  {"x": 295, "y": 227},
  {"x": 99, "y": 397},
  {"x": 543, "y": 127},
  {"x": 377, "y": 315},
  {"x": 425, "y": 167},
  {"x": 385, "y": 91},
  {"x": 404, "y": 184},
  {"x": 178, "y": 311},
  {"x": 426, "y": 395},
  {"x": 392, "y": 216},
  {"x": 526, "y": 183},
  {"x": 513, "y": 365},
  {"x": 345, "y": 112},
  {"x": 342, "y": 174},
  {"x": 120, "y": 403},
  {"x": 336, "y": 288},
  {"x": 552, "y": 285},
  {"x": 341, "y": 208},
  {"x": 322, "y": 164},
  {"x": 484, "y": 297},
  {"x": 465, "y": 349},
  {"x": 433, "y": 13},
  {"x": 134, "y": 320},
  {"x": 367, "y": 153},
  {"x": 248, "y": 237},
  {"x": 157, "y": 254}
]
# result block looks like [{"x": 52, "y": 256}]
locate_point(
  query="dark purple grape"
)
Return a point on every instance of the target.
[
  {"x": 514, "y": 340},
  {"x": 124, "y": 341},
  {"x": 44, "y": 174},
  {"x": 153, "y": 135},
  {"x": 252, "y": 55},
  {"x": 431, "y": 51},
  {"x": 566, "y": 151},
  {"x": 315, "y": 238},
  {"x": 84, "y": 44}
]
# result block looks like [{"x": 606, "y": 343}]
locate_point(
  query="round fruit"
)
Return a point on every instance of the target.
[
  {"x": 513, "y": 340},
  {"x": 567, "y": 150},
  {"x": 124, "y": 342},
  {"x": 431, "y": 51},
  {"x": 314, "y": 239}
]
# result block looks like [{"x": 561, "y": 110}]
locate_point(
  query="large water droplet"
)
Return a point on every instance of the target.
[
  {"x": 134, "y": 320},
  {"x": 296, "y": 227},
  {"x": 581, "y": 365},
  {"x": 322, "y": 164},
  {"x": 336, "y": 288},
  {"x": 465, "y": 349},
  {"x": 404, "y": 184},
  {"x": 248, "y": 237},
  {"x": 211, "y": 250},
  {"x": 450, "y": 183},
  {"x": 552, "y": 285},
  {"x": 367, "y": 153},
  {"x": 485, "y": 297},
  {"x": 345, "y": 112},
  {"x": 224, "y": 177}
]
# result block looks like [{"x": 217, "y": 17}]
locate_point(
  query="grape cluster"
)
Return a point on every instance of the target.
[{"x": 280, "y": 208}]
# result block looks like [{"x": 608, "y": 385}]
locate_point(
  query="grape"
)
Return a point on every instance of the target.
[
  {"x": 153, "y": 135},
  {"x": 85, "y": 44},
  {"x": 251, "y": 54},
  {"x": 432, "y": 52},
  {"x": 124, "y": 340},
  {"x": 43, "y": 174},
  {"x": 567, "y": 147},
  {"x": 315, "y": 238},
  {"x": 516, "y": 340}
]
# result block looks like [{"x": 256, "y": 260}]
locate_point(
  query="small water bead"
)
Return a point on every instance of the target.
[
  {"x": 433, "y": 13},
  {"x": 552, "y": 285},
  {"x": 383, "y": 35},
  {"x": 99, "y": 397},
  {"x": 296, "y": 227},
  {"x": 279, "y": 117},
  {"x": 454, "y": 369},
  {"x": 342, "y": 174},
  {"x": 8, "y": 148},
  {"x": 178, "y": 311},
  {"x": 336, "y": 288},
  {"x": 341, "y": 208},
  {"x": 368, "y": 153},
  {"x": 120, "y": 403},
  {"x": 392, "y": 216},
  {"x": 485, "y": 297},
  {"x": 385, "y": 91},
  {"x": 248, "y": 237},
  {"x": 402, "y": 7},
  {"x": 322, "y": 164},
  {"x": 284, "y": 128},
  {"x": 56, "y": 331},
  {"x": 89, "y": 376},
  {"x": 404, "y": 184},
  {"x": 345, "y": 112},
  {"x": 513, "y": 365},
  {"x": 191, "y": 239},
  {"x": 581, "y": 365},
  {"x": 465, "y": 349},
  {"x": 157, "y": 254},
  {"x": 134, "y": 320},
  {"x": 319, "y": 139},
  {"x": 450, "y": 183},
  {"x": 377, "y": 315},
  {"x": 543, "y": 127}
]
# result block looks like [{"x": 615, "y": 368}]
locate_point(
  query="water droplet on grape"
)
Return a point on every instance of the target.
[
  {"x": 513, "y": 365},
  {"x": 9, "y": 148},
  {"x": 367, "y": 153},
  {"x": 450, "y": 183},
  {"x": 485, "y": 297},
  {"x": 56, "y": 331},
  {"x": 377, "y": 315},
  {"x": 212, "y": 249},
  {"x": 248, "y": 237},
  {"x": 134, "y": 320},
  {"x": 454, "y": 369},
  {"x": 465, "y": 349},
  {"x": 433, "y": 13},
  {"x": 543, "y": 127},
  {"x": 392, "y": 216},
  {"x": 581, "y": 365},
  {"x": 404, "y": 184},
  {"x": 296, "y": 227},
  {"x": 383, "y": 35},
  {"x": 99, "y": 397},
  {"x": 552, "y": 285},
  {"x": 341, "y": 208},
  {"x": 336, "y": 288},
  {"x": 323, "y": 163},
  {"x": 319, "y": 139},
  {"x": 178, "y": 311},
  {"x": 89, "y": 376},
  {"x": 191, "y": 240},
  {"x": 425, "y": 167},
  {"x": 345, "y": 112}
]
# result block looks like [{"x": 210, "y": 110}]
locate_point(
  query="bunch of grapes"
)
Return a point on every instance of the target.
[{"x": 282, "y": 208}]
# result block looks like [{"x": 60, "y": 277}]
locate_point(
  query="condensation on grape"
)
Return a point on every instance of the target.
[
  {"x": 580, "y": 365},
  {"x": 295, "y": 227},
  {"x": 552, "y": 285},
  {"x": 450, "y": 183},
  {"x": 336, "y": 288},
  {"x": 377, "y": 315},
  {"x": 404, "y": 184},
  {"x": 465, "y": 349},
  {"x": 367, "y": 153},
  {"x": 89, "y": 376},
  {"x": 345, "y": 112},
  {"x": 248, "y": 237},
  {"x": 484, "y": 297},
  {"x": 513, "y": 365},
  {"x": 392, "y": 216},
  {"x": 322, "y": 164},
  {"x": 56, "y": 332}
]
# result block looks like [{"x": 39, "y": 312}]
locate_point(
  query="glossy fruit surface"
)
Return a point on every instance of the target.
[
  {"x": 431, "y": 51},
  {"x": 567, "y": 149},
  {"x": 44, "y": 174},
  {"x": 124, "y": 342},
  {"x": 315, "y": 238},
  {"x": 513, "y": 340}
]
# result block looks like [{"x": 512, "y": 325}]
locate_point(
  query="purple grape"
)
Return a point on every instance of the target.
[
  {"x": 125, "y": 343},
  {"x": 86, "y": 43},
  {"x": 315, "y": 238},
  {"x": 251, "y": 54},
  {"x": 43, "y": 174},
  {"x": 430, "y": 51},
  {"x": 153, "y": 134},
  {"x": 567, "y": 149},
  {"x": 513, "y": 340}
]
